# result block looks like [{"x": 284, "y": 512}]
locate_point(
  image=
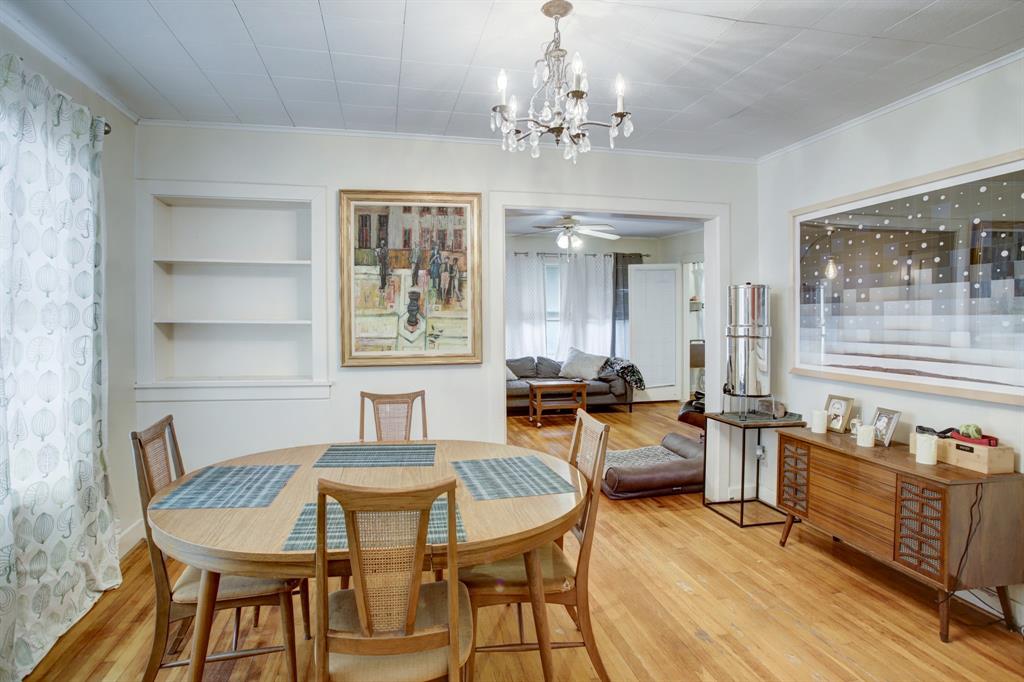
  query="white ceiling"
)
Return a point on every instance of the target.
[
  {"x": 520, "y": 221},
  {"x": 723, "y": 77}
]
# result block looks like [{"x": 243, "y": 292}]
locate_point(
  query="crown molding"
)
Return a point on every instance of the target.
[
  {"x": 422, "y": 137},
  {"x": 899, "y": 104},
  {"x": 29, "y": 31}
]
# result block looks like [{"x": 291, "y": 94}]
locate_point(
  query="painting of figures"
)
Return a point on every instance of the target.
[{"x": 410, "y": 278}]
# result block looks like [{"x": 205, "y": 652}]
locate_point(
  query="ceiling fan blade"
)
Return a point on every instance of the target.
[
  {"x": 547, "y": 227},
  {"x": 598, "y": 227},
  {"x": 599, "y": 235}
]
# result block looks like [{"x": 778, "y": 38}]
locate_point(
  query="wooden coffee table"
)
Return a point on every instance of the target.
[{"x": 569, "y": 395}]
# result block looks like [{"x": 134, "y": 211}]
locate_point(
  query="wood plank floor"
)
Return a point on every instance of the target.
[{"x": 678, "y": 592}]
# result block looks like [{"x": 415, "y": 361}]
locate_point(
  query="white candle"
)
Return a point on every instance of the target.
[
  {"x": 927, "y": 449},
  {"x": 913, "y": 442},
  {"x": 620, "y": 91},
  {"x": 819, "y": 421},
  {"x": 865, "y": 435}
]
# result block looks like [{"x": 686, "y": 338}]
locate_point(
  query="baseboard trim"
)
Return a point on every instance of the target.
[{"x": 131, "y": 535}]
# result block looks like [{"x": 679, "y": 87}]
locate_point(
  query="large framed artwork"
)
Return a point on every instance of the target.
[
  {"x": 410, "y": 278},
  {"x": 917, "y": 286}
]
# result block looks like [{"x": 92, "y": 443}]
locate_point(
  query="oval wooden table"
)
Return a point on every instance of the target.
[{"x": 248, "y": 541}]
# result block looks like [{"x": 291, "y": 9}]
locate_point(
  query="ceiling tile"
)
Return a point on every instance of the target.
[
  {"x": 873, "y": 54},
  {"x": 868, "y": 18},
  {"x": 309, "y": 89},
  {"x": 204, "y": 108},
  {"x": 792, "y": 12},
  {"x": 999, "y": 29},
  {"x": 433, "y": 76},
  {"x": 730, "y": 9},
  {"x": 315, "y": 114},
  {"x": 474, "y": 103},
  {"x": 366, "y": 94},
  {"x": 212, "y": 22},
  {"x": 282, "y": 61},
  {"x": 359, "y": 69},
  {"x": 284, "y": 23},
  {"x": 943, "y": 18},
  {"x": 433, "y": 100},
  {"x": 225, "y": 57},
  {"x": 420, "y": 44},
  {"x": 422, "y": 121},
  {"x": 656, "y": 96},
  {"x": 433, "y": 16},
  {"x": 136, "y": 31},
  {"x": 484, "y": 79},
  {"x": 367, "y": 38},
  {"x": 470, "y": 125},
  {"x": 369, "y": 118},
  {"x": 185, "y": 81},
  {"x": 373, "y": 10},
  {"x": 925, "y": 63},
  {"x": 260, "y": 111},
  {"x": 235, "y": 85}
]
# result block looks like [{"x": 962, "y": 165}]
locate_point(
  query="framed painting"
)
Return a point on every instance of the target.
[
  {"x": 917, "y": 286},
  {"x": 410, "y": 278}
]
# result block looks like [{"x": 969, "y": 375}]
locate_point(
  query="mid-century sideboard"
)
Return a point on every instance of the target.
[{"x": 948, "y": 527}]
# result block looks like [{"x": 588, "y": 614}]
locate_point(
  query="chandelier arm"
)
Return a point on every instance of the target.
[{"x": 599, "y": 124}]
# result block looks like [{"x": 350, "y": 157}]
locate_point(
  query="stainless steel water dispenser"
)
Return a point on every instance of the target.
[{"x": 748, "y": 342}]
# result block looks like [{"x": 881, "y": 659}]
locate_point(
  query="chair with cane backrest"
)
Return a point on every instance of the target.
[
  {"x": 390, "y": 626},
  {"x": 158, "y": 464},
  {"x": 392, "y": 414},
  {"x": 565, "y": 582}
]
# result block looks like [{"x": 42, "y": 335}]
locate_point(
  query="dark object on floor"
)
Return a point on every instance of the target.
[
  {"x": 629, "y": 372},
  {"x": 607, "y": 389},
  {"x": 676, "y": 466},
  {"x": 692, "y": 412}
]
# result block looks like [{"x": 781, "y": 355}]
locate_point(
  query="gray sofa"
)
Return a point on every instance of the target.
[{"x": 608, "y": 389}]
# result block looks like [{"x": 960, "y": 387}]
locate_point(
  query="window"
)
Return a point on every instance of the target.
[
  {"x": 364, "y": 231},
  {"x": 382, "y": 230},
  {"x": 552, "y": 307}
]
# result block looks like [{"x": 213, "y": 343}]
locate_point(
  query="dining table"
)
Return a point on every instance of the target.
[{"x": 260, "y": 541}]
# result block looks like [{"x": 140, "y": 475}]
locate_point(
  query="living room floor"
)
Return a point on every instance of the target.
[{"x": 678, "y": 593}]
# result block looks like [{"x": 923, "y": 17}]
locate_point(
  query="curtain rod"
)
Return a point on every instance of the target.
[{"x": 551, "y": 253}]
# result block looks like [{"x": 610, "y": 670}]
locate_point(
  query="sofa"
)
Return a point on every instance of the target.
[{"x": 607, "y": 389}]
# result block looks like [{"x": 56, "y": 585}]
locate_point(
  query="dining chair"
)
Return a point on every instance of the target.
[
  {"x": 390, "y": 625},
  {"x": 157, "y": 465},
  {"x": 565, "y": 582},
  {"x": 392, "y": 414}
]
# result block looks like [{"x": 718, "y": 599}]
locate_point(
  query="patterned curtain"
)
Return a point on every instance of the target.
[{"x": 58, "y": 543}]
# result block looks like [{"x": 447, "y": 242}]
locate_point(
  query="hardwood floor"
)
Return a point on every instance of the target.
[{"x": 678, "y": 593}]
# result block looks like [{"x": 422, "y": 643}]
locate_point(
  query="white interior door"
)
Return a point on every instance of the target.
[{"x": 656, "y": 329}]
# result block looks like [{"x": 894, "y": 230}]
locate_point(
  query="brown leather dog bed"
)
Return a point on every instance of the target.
[{"x": 676, "y": 466}]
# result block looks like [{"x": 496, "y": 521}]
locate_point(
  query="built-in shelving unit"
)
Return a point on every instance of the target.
[{"x": 234, "y": 303}]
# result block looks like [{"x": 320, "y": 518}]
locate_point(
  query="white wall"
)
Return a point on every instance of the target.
[
  {"x": 118, "y": 151},
  {"x": 463, "y": 401},
  {"x": 974, "y": 120}
]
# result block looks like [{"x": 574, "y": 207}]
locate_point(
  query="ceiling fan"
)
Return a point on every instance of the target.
[{"x": 571, "y": 226}]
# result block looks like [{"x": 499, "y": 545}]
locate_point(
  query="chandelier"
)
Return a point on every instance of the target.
[{"x": 558, "y": 106}]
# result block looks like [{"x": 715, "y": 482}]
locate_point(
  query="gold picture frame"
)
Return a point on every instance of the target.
[
  {"x": 838, "y": 409},
  {"x": 410, "y": 283}
]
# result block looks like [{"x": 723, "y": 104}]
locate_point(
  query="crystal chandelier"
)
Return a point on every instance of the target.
[{"x": 558, "y": 106}]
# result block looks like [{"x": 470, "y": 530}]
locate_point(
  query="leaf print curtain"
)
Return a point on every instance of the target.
[{"x": 58, "y": 544}]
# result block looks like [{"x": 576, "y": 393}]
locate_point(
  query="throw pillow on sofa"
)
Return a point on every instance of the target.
[
  {"x": 510, "y": 375},
  {"x": 523, "y": 368},
  {"x": 548, "y": 368},
  {"x": 580, "y": 365}
]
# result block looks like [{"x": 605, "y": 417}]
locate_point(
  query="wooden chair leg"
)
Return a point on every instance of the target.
[
  {"x": 304, "y": 605},
  {"x": 438, "y": 575},
  {"x": 288, "y": 632},
  {"x": 471, "y": 662},
  {"x": 156, "y": 655},
  {"x": 255, "y": 616},
  {"x": 571, "y": 610},
  {"x": 583, "y": 609},
  {"x": 522, "y": 627},
  {"x": 178, "y": 643},
  {"x": 237, "y": 628},
  {"x": 344, "y": 582}
]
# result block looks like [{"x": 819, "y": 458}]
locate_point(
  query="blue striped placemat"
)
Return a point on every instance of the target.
[
  {"x": 302, "y": 538},
  {"x": 495, "y": 479},
  {"x": 378, "y": 455},
  {"x": 230, "y": 487}
]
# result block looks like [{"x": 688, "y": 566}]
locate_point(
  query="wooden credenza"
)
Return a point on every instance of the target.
[{"x": 949, "y": 527}]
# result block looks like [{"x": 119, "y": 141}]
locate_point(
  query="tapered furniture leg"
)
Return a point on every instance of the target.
[
  {"x": 237, "y": 628},
  {"x": 255, "y": 616},
  {"x": 535, "y": 577},
  {"x": 209, "y": 581},
  {"x": 1004, "y": 602},
  {"x": 156, "y": 655},
  {"x": 587, "y": 628},
  {"x": 288, "y": 630},
  {"x": 178, "y": 643},
  {"x": 944, "y": 599},
  {"x": 785, "y": 530},
  {"x": 304, "y": 605}
]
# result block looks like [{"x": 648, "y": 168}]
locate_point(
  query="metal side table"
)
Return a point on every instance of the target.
[{"x": 746, "y": 422}]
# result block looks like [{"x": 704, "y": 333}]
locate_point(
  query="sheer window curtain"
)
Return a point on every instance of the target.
[
  {"x": 58, "y": 543},
  {"x": 524, "y": 305},
  {"x": 586, "y": 310},
  {"x": 620, "y": 312}
]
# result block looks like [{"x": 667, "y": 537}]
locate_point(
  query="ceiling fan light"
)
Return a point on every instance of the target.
[
  {"x": 562, "y": 240},
  {"x": 575, "y": 242}
]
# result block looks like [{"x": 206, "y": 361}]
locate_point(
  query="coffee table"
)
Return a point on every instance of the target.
[{"x": 568, "y": 395}]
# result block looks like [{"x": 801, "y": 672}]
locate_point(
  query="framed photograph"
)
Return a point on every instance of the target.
[
  {"x": 917, "y": 286},
  {"x": 885, "y": 422},
  {"x": 410, "y": 278},
  {"x": 839, "y": 408}
]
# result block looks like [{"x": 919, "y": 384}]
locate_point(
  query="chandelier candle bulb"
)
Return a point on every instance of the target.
[
  {"x": 620, "y": 92},
  {"x": 503, "y": 86}
]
